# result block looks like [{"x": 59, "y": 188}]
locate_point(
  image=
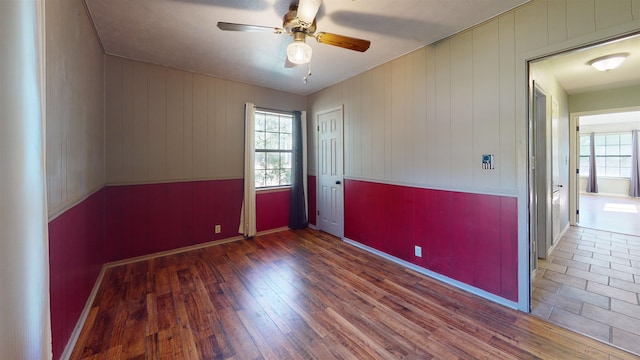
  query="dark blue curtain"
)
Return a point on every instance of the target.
[{"x": 297, "y": 212}]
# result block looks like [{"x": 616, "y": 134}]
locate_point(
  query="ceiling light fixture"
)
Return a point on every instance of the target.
[
  {"x": 299, "y": 52},
  {"x": 608, "y": 62}
]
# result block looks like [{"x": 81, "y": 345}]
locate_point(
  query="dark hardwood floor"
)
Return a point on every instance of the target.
[{"x": 302, "y": 295}]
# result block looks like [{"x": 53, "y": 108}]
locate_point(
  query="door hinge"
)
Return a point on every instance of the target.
[
  {"x": 318, "y": 212},
  {"x": 577, "y": 128},
  {"x": 318, "y": 127},
  {"x": 577, "y": 212},
  {"x": 578, "y": 171}
]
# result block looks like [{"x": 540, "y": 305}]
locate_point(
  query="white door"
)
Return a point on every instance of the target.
[{"x": 330, "y": 171}]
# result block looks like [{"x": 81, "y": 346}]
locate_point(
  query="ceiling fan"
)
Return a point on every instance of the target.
[{"x": 300, "y": 22}]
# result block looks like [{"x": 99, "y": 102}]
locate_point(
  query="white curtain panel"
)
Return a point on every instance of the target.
[
  {"x": 248, "y": 212},
  {"x": 25, "y": 328}
]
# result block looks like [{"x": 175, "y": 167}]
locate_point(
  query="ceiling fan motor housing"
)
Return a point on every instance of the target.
[{"x": 292, "y": 24}]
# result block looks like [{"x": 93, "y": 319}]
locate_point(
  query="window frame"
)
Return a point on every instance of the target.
[
  {"x": 620, "y": 156},
  {"x": 266, "y": 151}
]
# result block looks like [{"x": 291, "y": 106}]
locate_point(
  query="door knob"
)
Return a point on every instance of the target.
[{"x": 338, "y": 182}]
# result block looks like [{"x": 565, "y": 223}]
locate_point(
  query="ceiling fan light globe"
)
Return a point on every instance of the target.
[{"x": 299, "y": 52}]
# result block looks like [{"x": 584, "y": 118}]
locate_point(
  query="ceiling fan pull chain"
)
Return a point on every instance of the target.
[{"x": 306, "y": 78}]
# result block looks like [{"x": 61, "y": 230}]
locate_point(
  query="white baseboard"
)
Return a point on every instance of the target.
[
  {"x": 434, "y": 275},
  {"x": 71, "y": 344}
]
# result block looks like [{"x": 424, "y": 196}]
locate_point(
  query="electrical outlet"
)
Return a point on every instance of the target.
[
  {"x": 418, "y": 251},
  {"x": 218, "y": 229}
]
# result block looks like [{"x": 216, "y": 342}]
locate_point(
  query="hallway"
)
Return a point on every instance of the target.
[{"x": 591, "y": 284}]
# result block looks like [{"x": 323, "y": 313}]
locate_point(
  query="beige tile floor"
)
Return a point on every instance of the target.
[{"x": 591, "y": 284}]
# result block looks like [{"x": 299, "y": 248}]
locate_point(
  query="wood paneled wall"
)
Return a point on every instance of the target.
[
  {"x": 75, "y": 106},
  {"x": 164, "y": 124},
  {"x": 426, "y": 118},
  {"x": 74, "y": 162}
]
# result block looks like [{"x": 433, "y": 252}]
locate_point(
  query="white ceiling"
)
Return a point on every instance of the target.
[
  {"x": 183, "y": 34},
  {"x": 576, "y": 76}
]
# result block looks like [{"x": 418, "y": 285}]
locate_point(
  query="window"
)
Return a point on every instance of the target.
[
  {"x": 613, "y": 154},
  {"x": 274, "y": 147}
]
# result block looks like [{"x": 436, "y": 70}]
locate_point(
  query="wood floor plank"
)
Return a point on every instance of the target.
[{"x": 304, "y": 295}]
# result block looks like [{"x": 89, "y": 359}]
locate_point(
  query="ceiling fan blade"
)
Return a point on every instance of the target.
[
  {"x": 307, "y": 10},
  {"x": 248, "y": 28},
  {"x": 343, "y": 41}
]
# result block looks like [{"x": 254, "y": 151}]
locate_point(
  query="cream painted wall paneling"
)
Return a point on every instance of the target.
[
  {"x": 157, "y": 123},
  {"x": 177, "y": 124},
  {"x": 531, "y": 27},
  {"x": 507, "y": 105},
  {"x": 462, "y": 110},
  {"x": 140, "y": 137},
  {"x": 75, "y": 106},
  {"x": 486, "y": 103},
  {"x": 367, "y": 125},
  {"x": 442, "y": 127},
  {"x": 418, "y": 105},
  {"x": 166, "y": 125},
  {"x": 379, "y": 96},
  {"x": 610, "y": 13},
  {"x": 557, "y": 20},
  {"x": 399, "y": 136},
  {"x": 580, "y": 17}
]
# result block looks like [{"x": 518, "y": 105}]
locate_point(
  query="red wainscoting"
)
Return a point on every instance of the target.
[
  {"x": 311, "y": 199},
  {"x": 471, "y": 238},
  {"x": 120, "y": 222},
  {"x": 272, "y": 209},
  {"x": 148, "y": 218},
  {"x": 75, "y": 260},
  {"x": 144, "y": 219}
]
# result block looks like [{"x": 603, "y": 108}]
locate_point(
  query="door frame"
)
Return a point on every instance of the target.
[
  {"x": 538, "y": 165},
  {"x": 525, "y": 251},
  {"x": 574, "y": 162},
  {"x": 316, "y": 126}
]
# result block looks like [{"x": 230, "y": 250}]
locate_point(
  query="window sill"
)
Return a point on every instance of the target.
[
  {"x": 607, "y": 177},
  {"x": 273, "y": 189}
]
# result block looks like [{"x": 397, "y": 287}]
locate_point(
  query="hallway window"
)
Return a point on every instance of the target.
[{"x": 613, "y": 154}]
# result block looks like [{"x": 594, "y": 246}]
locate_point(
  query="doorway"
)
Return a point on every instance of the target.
[
  {"x": 585, "y": 284},
  {"x": 607, "y": 207}
]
